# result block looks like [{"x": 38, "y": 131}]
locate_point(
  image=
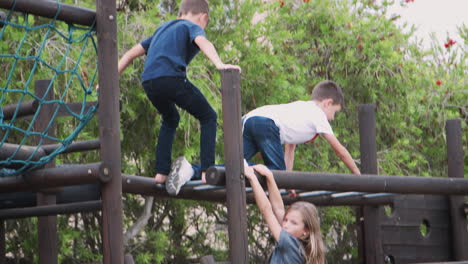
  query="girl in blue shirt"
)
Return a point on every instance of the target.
[{"x": 297, "y": 230}]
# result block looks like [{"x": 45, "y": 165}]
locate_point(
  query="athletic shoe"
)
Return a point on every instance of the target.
[{"x": 181, "y": 172}]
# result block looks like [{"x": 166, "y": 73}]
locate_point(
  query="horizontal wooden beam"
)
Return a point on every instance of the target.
[
  {"x": 67, "y": 194},
  {"x": 147, "y": 186},
  {"x": 24, "y": 109},
  {"x": 19, "y": 153},
  {"x": 47, "y": 210},
  {"x": 74, "y": 147},
  {"x": 46, "y": 8},
  {"x": 28, "y": 109},
  {"x": 25, "y": 152},
  {"x": 359, "y": 183},
  {"x": 52, "y": 177}
]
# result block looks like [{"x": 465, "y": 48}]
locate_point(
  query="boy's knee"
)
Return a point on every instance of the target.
[
  {"x": 213, "y": 115},
  {"x": 172, "y": 122},
  {"x": 209, "y": 117}
]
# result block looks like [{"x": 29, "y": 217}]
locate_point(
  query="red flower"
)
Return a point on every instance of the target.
[
  {"x": 306, "y": 1},
  {"x": 407, "y": 1},
  {"x": 281, "y": 3},
  {"x": 438, "y": 82},
  {"x": 449, "y": 43}
]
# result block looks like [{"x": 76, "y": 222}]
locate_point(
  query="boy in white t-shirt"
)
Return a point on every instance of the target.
[{"x": 268, "y": 128}]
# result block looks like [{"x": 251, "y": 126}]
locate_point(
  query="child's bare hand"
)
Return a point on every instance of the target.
[
  {"x": 292, "y": 193},
  {"x": 263, "y": 170},
  {"x": 249, "y": 173}
]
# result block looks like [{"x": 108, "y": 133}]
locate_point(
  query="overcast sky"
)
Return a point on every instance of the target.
[{"x": 438, "y": 16}]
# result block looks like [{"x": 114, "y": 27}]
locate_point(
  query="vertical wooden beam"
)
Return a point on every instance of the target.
[
  {"x": 455, "y": 170},
  {"x": 109, "y": 131},
  {"x": 360, "y": 234},
  {"x": 367, "y": 135},
  {"x": 47, "y": 225},
  {"x": 368, "y": 146},
  {"x": 234, "y": 159}
]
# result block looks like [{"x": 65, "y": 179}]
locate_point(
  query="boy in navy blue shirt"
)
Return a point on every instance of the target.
[{"x": 169, "y": 50}]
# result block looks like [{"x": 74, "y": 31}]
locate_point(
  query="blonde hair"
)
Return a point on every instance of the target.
[
  {"x": 193, "y": 6},
  {"x": 313, "y": 247}
]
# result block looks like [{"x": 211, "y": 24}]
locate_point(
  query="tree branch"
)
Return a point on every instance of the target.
[{"x": 141, "y": 221}]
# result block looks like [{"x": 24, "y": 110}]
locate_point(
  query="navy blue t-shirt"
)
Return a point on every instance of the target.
[
  {"x": 287, "y": 251},
  {"x": 170, "y": 49}
]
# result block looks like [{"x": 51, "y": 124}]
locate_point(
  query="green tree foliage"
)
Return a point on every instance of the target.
[{"x": 283, "y": 55}]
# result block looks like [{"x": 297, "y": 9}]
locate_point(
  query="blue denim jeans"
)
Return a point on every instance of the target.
[
  {"x": 167, "y": 92},
  {"x": 262, "y": 135}
]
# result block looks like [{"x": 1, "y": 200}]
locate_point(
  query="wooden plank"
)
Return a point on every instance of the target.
[
  {"x": 404, "y": 254},
  {"x": 233, "y": 155},
  {"x": 416, "y": 216},
  {"x": 430, "y": 202},
  {"x": 410, "y": 235}
]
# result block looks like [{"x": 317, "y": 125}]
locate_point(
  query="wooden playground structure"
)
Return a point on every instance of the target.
[{"x": 438, "y": 203}]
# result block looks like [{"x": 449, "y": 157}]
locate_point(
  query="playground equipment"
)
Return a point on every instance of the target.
[{"x": 383, "y": 238}]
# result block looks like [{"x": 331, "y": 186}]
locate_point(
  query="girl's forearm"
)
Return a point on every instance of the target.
[
  {"x": 260, "y": 197},
  {"x": 275, "y": 199}
]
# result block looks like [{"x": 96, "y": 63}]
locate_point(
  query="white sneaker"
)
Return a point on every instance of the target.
[{"x": 181, "y": 172}]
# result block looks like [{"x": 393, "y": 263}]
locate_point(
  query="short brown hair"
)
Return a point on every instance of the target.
[
  {"x": 193, "y": 6},
  {"x": 328, "y": 90}
]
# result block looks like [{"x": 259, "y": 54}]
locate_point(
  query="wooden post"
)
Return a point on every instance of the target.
[
  {"x": 47, "y": 225},
  {"x": 234, "y": 159},
  {"x": 455, "y": 170},
  {"x": 109, "y": 131},
  {"x": 371, "y": 230}
]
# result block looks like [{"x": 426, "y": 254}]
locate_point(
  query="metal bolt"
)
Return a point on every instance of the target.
[
  {"x": 111, "y": 17},
  {"x": 106, "y": 171},
  {"x": 89, "y": 171}
]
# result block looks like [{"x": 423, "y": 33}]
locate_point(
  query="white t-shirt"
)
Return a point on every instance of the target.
[{"x": 298, "y": 122}]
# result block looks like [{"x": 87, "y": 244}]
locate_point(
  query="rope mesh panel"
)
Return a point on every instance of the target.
[{"x": 34, "y": 48}]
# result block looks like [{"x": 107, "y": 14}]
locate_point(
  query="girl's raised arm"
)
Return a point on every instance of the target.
[
  {"x": 273, "y": 193},
  {"x": 263, "y": 203}
]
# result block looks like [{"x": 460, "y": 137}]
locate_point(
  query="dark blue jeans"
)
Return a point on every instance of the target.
[
  {"x": 167, "y": 92},
  {"x": 262, "y": 135}
]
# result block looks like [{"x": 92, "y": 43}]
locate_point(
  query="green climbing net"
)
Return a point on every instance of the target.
[{"x": 34, "y": 48}]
